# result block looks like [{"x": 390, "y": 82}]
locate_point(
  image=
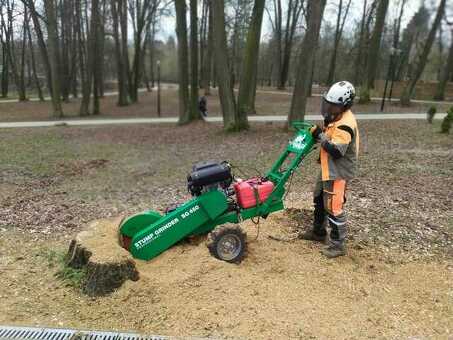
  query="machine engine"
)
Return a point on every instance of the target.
[{"x": 208, "y": 175}]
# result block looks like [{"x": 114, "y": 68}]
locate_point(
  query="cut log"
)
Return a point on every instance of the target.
[{"x": 107, "y": 264}]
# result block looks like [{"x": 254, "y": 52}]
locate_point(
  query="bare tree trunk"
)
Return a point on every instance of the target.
[
  {"x": 122, "y": 10},
  {"x": 5, "y": 70},
  {"x": 87, "y": 85},
  {"x": 146, "y": 48},
  {"x": 183, "y": 61},
  {"x": 278, "y": 36},
  {"x": 98, "y": 53},
  {"x": 294, "y": 10},
  {"x": 66, "y": 14},
  {"x": 53, "y": 57},
  {"x": 247, "y": 86},
  {"x": 116, "y": 7},
  {"x": 409, "y": 89},
  {"x": 80, "y": 37},
  {"x": 210, "y": 48},
  {"x": 373, "y": 56},
  {"x": 141, "y": 12},
  {"x": 306, "y": 58},
  {"x": 358, "y": 60},
  {"x": 41, "y": 42},
  {"x": 203, "y": 43},
  {"x": 227, "y": 101},
  {"x": 152, "y": 52},
  {"x": 338, "y": 33},
  {"x": 5, "y": 59},
  {"x": 446, "y": 73},
  {"x": 100, "y": 45},
  {"x": 33, "y": 66},
  {"x": 8, "y": 30},
  {"x": 194, "y": 113},
  {"x": 22, "y": 86}
]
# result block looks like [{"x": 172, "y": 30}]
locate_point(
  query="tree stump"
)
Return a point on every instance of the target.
[{"x": 107, "y": 264}]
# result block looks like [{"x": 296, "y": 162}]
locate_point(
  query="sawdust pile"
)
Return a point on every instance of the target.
[
  {"x": 107, "y": 265},
  {"x": 96, "y": 249}
]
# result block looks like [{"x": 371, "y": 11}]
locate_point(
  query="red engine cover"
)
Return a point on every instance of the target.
[{"x": 245, "y": 192}]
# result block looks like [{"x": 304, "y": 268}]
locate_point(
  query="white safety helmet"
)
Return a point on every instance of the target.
[{"x": 341, "y": 93}]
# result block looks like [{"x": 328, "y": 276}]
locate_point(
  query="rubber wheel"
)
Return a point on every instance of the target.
[{"x": 228, "y": 243}]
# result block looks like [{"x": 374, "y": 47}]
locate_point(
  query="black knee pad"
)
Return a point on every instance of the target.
[{"x": 318, "y": 200}]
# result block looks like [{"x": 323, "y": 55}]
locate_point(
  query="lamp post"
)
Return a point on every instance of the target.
[
  {"x": 158, "y": 88},
  {"x": 390, "y": 74}
]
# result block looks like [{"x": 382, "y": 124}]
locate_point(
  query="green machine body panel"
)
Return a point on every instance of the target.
[
  {"x": 173, "y": 227},
  {"x": 152, "y": 233},
  {"x": 133, "y": 224}
]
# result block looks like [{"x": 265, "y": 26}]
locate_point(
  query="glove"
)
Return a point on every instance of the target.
[{"x": 315, "y": 131}]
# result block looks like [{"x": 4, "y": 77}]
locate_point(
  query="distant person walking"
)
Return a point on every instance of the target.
[{"x": 203, "y": 106}]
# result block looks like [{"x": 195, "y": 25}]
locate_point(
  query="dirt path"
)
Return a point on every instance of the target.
[
  {"x": 268, "y": 103},
  {"x": 281, "y": 290},
  {"x": 212, "y": 119}
]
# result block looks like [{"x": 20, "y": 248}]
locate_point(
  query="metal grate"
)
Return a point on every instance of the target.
[{"x": 25, "y": 333}]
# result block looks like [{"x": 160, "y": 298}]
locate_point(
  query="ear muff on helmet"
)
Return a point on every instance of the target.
[{"x": 349, "y": 102}]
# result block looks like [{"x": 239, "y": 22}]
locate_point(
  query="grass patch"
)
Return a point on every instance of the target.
[{"x": 57, "y": 260}]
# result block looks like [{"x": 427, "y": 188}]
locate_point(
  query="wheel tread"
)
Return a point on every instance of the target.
[{"x": 215, "y": 235}]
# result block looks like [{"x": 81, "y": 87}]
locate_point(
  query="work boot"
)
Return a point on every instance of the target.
[
  {"x": 319, "y": 232},
  {"x": 312, "y": 235},
  {"x": 334, "y": 250},
  {"x": 338, "y": 232}
]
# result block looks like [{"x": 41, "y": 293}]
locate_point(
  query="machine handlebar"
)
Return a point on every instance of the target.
[{"x": 300, "y": 125}]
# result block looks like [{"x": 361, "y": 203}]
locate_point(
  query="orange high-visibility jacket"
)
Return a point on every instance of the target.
[{"x": 340, "y": 148}]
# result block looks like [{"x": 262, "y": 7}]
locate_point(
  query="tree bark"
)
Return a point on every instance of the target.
[
  {"x": 87, "y": 87},
  {"x": 294, "y": 10},
  {"x": 41, "y": 42},
  {"x": 223, "y": 74},
  {"x": 210, "y": 47},
  {"x": 373, "y": 56},
  {"x": 122, "y": 10},
  {"x": 52, "y": 42},
  {"x": 121, "y": 69},
  {"x": 338, "y": 33},
  {"x": 8, "y": 29},
  {"x": 247, "y": 85},
  {"x": 5, "y": 59},
  {"x": 5, "y": 69},
  {"x": 33, "y": 66},
  {"x": 194, "y": 113},
  {"x": 183, "y": 61},
  {"x": 22, "y": 86},
  {"x": 106, "y": 268},
  {"x": 306, "y": 58},
  {"x": 409, "y": 89},
  {"x": 358, "y": 60},
  {"x": 446, "y": 74},
  {"x": 203, "y": 42},
  {"x": 66, "y": 14},
  {"x": 141, "y": 12},
  {"x": 278, "y": 28}
]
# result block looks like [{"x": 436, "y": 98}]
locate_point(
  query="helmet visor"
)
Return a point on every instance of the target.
[{"x": 330, "y": 110}]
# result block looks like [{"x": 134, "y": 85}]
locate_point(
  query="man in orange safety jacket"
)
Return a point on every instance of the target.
[{"x": 339, "y": 140}]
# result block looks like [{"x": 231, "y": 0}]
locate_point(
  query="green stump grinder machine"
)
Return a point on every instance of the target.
[{"x": 220, "y": 203}]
